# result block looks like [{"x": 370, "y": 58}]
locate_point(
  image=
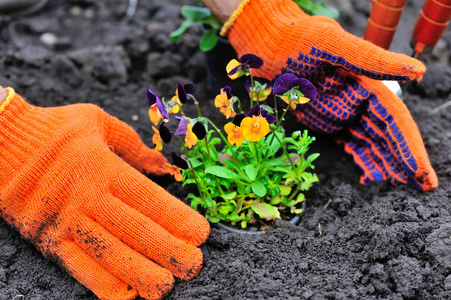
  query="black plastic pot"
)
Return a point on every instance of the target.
[
  {"x": 217, "y": 60},
  {"x": 220, "y": 225},
  {"x": 295, "y": 220}
]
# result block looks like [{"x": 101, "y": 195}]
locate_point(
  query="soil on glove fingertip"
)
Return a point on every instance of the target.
[{"x": 353, "y": 242}]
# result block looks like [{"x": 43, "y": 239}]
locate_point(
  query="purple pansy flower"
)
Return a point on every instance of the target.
[
  {"x": 157, "y": 110},
  {"x": 199, "y": 130},
  {"x": 182, "y": 129},
  {"x": 165, "y": 133},
  {"x": 257, "y": 111},
  {"x": 183, "y": 90},
  {"x": 179, "y": 161},
  {"x": 239, "y": 68},
  {"x": 302, "y": 89}
]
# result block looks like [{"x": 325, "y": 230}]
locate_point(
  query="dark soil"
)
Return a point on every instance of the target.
[{"x": 353, "y": 242}]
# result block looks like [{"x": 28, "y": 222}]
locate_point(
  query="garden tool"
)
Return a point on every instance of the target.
[
  {"x": 70, "y": 182},
  {"x": 432, "y": 22},
  {"x": 353, "y": 105},
  {"x": 382, "y": 22}
]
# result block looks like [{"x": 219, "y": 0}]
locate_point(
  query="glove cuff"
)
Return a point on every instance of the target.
[
  {"x": 23, "y": 129},
  {"x": 7, "y": 100}
]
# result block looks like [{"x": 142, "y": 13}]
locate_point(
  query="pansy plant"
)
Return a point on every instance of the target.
[{"x": 251, "y": 170}]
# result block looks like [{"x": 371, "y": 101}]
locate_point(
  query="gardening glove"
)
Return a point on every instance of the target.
[
  {"x": 70, "y": 183},
  {"x": 374, "y": 125}
]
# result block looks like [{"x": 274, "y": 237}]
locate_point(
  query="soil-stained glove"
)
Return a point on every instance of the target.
[
  {"x": 70, "y": 183},
  {"x": 374, "y": 125}
]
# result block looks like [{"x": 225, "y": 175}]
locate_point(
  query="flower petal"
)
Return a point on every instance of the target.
[
  {"x": 238, "y": 118},
  {"x": 162, "y": 109},
  {"x": 283, "y": 83},
  {"x": 221, "y": 100},
  {"x": 234, "y": 134},
  {"x": 199, "y": 130},
  {"x": 156, "y": 139},
  {"x": 306, "y": 87},
  {"x": 252, "y": 60},
  {"x": 232, "y": 69},
  {"x": 189, "y": 87},
  {"x": 255, "y": 110},
  {"x": 179, "y": 161},
  {"x": 229, "y": 127},
  {"x": 228, "y": 91},
  {"x": 151, "y": 97},
  {"x": 270, "y": 118},
  {"x": 181, "y": 93},
  {"x": 190, "y": 138},
  {"x": 165, "y": 133},
  {"x": 183, "y": 126},
  {"x": 174, "y": 171},
  {"x": 154, "y": 115}
]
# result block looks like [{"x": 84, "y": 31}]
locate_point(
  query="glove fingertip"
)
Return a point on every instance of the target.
[
  {"x": 428, "y": 177},
  {"x": 153, "y": 162}
]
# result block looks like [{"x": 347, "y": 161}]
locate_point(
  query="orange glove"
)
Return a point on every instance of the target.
[
  {"x": 86, "y": 208},
  {"x": 374, "y": 125}
]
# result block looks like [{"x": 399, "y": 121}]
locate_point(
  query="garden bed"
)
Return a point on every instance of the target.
[{"x": 353, "y": 242}]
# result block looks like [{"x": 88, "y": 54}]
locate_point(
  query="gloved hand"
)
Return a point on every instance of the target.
[
  {"x": 374, "y": 125},
  {"x": 70, "y": 183}
]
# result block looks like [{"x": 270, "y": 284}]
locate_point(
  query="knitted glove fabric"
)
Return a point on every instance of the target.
[
  {"x": 68, "y": 185},
  {"x": 374, "y": 125}
]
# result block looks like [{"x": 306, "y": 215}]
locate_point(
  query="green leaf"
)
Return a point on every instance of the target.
[
  {"x": 176, "y": 34},
  {"x": 209, "y": 40},
  {"x": 208, "y": 202},
  {"x": 213, "y": 153},
  {"x": 232, "y": 164},
  {"x": 194, "y": 13},
  {"x": 195, "y": 162},
  {"x": 266, "y": 211},
  {"x": 251, "y": 172},
  {"x": 258, "y": 188},
  {"x": 225, "y": 182},
  {"x": 285, "y": 190},
  {"x": 311, "y": 158},
  {"x": 229, "y": 196},
  {"x": 195, "y": 201},
  {"x": 213, "y": 219},
  {"x": 224, "y": 210},
  {"x": 276, "y": 200},
  {"x": 267, "y": 108},
  {"x": 233, "y": 217},
  {"x": 320, "y": 9},
  {"x": 221, "y": 172}
]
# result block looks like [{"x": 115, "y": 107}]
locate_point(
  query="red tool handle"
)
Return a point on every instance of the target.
[
  {"x": 383, "y": 20},
  {"x": 432, "y": 22}
]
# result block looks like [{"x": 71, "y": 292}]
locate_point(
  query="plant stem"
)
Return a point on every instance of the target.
[
  {"x": 181, "y": 110},
  {"x": 224, "y": 139},
  {"x": 195, "y": 103},
  {"x": 296, "y": 191},
  {"x": 195, "y": 179},
  {"x": 279, "y": 121},
  {"x": 239, "y": 104},
  {"x": 183, "y": 145},
  {"x": 208, "y": 151},
  {"x": 252, "y": 87},
  {"x": 257, "y": 156},
  {"x": 275, "y": 107},
  {"x": 285, "y": 151}
]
